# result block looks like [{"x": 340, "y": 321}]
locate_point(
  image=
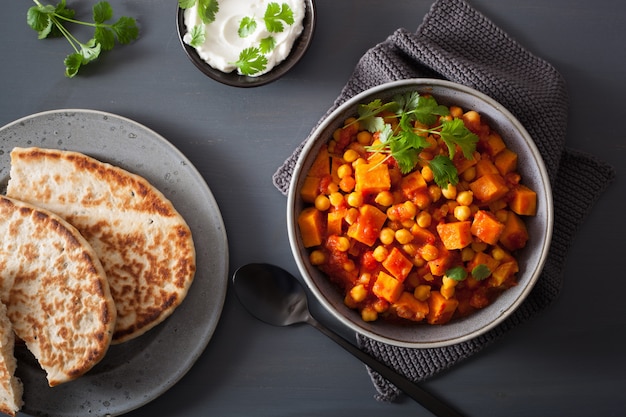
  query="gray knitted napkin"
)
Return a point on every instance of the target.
[{"x": 457, "y": 43}]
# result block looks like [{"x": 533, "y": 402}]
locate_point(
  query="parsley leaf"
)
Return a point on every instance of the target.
[
  {"x": 275, "y": 15},
  {"x": 50, "y": 21},
  {"x": 480, "y": 272},
  {"x": 251, "y": 61},
  {"x": 247, "y": 26}
]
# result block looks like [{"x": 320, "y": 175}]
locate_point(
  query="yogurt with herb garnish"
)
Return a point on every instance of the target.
[{"x": 250, "y": 37}]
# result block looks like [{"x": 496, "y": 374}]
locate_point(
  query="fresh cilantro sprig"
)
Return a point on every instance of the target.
[
  {"x": 405, "y": 142},
  {"x": 207, "y": 9},
  {"x": 50, "y": 21}
]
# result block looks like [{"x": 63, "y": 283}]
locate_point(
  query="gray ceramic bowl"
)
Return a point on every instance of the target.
[
  {"x": 531, "y": 259},
  {"x": 235, "y": 80}
]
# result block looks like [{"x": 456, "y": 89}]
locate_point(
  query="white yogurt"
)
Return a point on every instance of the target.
[{"x": 223, "y": 44}]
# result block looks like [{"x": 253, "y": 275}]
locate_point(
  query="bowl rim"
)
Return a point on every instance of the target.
[
  {"x": 298, "y": 50},
  {"x": 380, "y": 90}
]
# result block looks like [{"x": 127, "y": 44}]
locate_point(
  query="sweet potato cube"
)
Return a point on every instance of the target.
[
  {"x": 462, "y": 163},
  {"x": 486, "y": 227},
  {"x": 514, "y": 235},
  {"x": 334, "y": 224},
  {"x": 371, "y": 178},
  {"x": 310, "y": 189},
  {"x": 439, "y": 266},
  {"x": 311, "y": 225},
  {"x": 321, "y": 165},
  {"x": 493, "y": 144},
  {"x": 387, "y": 287},
  {"x": 481, "y": 258},
  {"x": 366, "y": 228},
  {"x": 484, "y": 167},
  {"x": 440, "y": 309},
  {"x": 489, "y": 187},
  {"x": 506, "y": 161},
  {"x": 523, "y": 201},
  {"x": 503, "y": 274},
  {"x": 410, "y": 308},
  {"x": 397, "y": 264},
  {"x": 412, "y": 184},
  {"x": 455, "y": 235},
  {"x": 422, "y": 236}
]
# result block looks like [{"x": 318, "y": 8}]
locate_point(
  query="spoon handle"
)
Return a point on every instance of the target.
[{"x": 425, "y": 398}]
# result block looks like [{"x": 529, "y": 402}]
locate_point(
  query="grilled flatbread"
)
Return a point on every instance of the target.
[
  {"x": 144, "y": 244},
  {"x": 11, "y": 388},
  {"x": 55, "y": 290}
]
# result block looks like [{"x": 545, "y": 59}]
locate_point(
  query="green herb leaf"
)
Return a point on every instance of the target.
[
  {"x": 247, "y": 26},
  {"x": 454, "y": 132},
  {"x": 207, "y": 9},
  {"x": 50, "y": 21},
  {"x": 102, "y": 12},
  {"x": 444, "y": 171},
  {"x": 198, "y": 35},
  {"x": 267, "y": 44},
  {"x": 276, "y": 16},
  {"x": 457, "y": 273},
  {"x": 251, "y": 61},
  {"x": 186, "y": 4},
  {"x": 428, "y": 110},
  {"x": 480, "y": 272}
]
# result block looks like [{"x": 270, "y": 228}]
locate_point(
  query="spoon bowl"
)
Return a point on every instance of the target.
[{"x": 276, "y": 297}]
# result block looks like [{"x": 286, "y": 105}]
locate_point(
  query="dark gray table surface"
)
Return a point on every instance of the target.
[{"x": 568, "y": 361}]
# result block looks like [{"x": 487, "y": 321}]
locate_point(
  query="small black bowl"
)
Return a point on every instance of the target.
[{"x": 233, "y": 79}]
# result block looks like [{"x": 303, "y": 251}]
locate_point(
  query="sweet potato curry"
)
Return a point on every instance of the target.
[{"x": 415, "y": 211}]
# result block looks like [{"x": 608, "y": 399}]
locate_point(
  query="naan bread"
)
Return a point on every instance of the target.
[
  {"x": 11, "y": 388},
  {"x": 55, "y": 290},
  {"x": 144, "y": 244}
]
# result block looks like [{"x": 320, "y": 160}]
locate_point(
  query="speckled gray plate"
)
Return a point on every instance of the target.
[{"x": 136, "y": 372}]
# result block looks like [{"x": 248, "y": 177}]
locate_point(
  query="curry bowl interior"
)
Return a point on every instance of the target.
[{"x": 531, "y": 259}]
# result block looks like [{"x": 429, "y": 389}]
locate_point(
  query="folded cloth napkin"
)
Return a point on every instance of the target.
[{"x": 457, "y": 43}]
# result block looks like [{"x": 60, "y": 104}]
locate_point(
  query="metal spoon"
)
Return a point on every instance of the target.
[{"x": 276, "y": 297}]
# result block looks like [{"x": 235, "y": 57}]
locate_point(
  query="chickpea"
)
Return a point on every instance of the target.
[
  {"x": 347, "y": 184},
  {"x": 422, "y": 292},
  {"x": 427, "y": 174},
  {"x": 384, "y": 198},
  {"x": 358, "y": 293},
  {"x": 369, "y": 314},
  {"x": 423, "y": 219},
  {"x": 344, "y": 170},
  {"x": 435, "y": 192},
  {"x": 355, "y": 199},
  {"x": 343, "y": 244},
  {"x": 387, "y": 236},
  {"x": 336, "y": 198},
  {"x": 449, "y": 192},
  {"x": 465, "y": 198},
  {"x": 350, "y": 156},
  {"x": 403, "y": 236},
  {"x": 469, "y": 174},
  {"x": 364, "y": 137},
  {"x": 430, "y": 252},
  {"x": 317, "y": 257},
  {"x": 462, "y": 213},
  {"x": 380, "y": 253},
  {"x": 322, "y": 203}
]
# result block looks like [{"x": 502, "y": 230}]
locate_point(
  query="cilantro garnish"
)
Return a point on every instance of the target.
[
  {"x": 247, "y": 26},
  {"x": 457, "y": 273},
  {"x": 480, "y": 272},
  {"x": 198, "y": 35},
  {"x": 251, "y": 61},
  {"x": 277, "y": 14},
  {"x": 49, "y": 21},
  {"x": 406, "y": 142},
  {"x": 207, "y": 9},
  {"x": 267, "y": 44}
]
